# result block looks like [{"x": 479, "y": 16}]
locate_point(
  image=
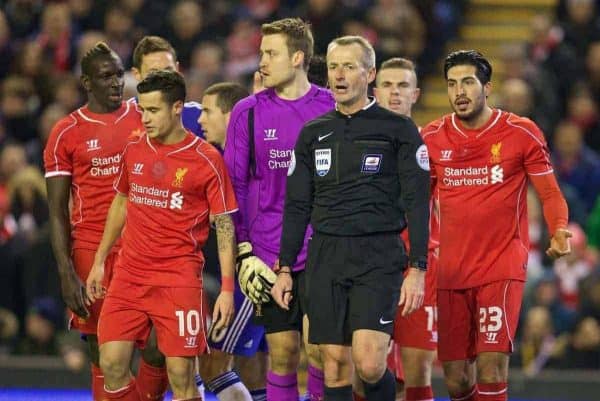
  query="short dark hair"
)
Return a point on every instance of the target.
[
  {"x": 228, "y": 94},
  {"x": 470, "y": 57},
  {"x": 151, "y": 44},
  {"x": 99, "y": 50},
  {"x": 398, "y": 62},
  {"x": 298, "y": 35},
  {"x": 317, "y": 71},
  {"x": 169, "y": 83}
]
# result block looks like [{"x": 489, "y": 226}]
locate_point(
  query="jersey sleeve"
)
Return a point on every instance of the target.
[
  {"x": 413, "y": 170},
  {"x": 298, "y": 201},
  {"x": 58, "y": 154},
  {"x": 237, "y": 160},
  {"x": 219, "y": 191},
  {"x": 536, "y": 156},
  {"x": 121, "y": 183}
]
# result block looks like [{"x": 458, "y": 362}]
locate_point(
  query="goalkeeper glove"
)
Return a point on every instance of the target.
[{"x": 255, "y": 277}]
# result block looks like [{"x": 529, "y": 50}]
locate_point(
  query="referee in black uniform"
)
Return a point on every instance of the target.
[{"x": 358, "y": 173}]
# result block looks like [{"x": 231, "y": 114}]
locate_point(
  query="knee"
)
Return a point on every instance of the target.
[
  {"x": 370, "y": 369},
  {"x": 457, "y": 380},
  {"x": 337, "y": 368},
  {"x": 180, "y": 376},
  {"x": 214, "y": 364},
  {"x": 314, "y": 355},
  {"x": 284, "y": 357},
  {"x": 115, "y": 370},
  {"x": 491, "y": 370}
]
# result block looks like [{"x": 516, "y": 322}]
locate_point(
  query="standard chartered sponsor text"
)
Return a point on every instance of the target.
[
  {"x": 105, "y": 166},
  {"x": 137, "y": 192},
  {"x": 279, "y": 158},
  {"x": 467, "y": 176}
]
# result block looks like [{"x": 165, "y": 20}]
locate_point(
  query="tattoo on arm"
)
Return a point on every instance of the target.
[{"x": 225, "y": 232}]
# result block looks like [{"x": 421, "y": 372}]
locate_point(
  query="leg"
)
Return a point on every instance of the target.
[
  {"x": 460, "y": 380},
  {"x": 417, "y": 373},
  {"x": 253, "y": 372},
  {"x": 181, "y": 377},
  {"x": 216, "y": 370},
  {"x": 338, "y": 371},
  {"x": 369, "y": 353},
  {"x": 314, "y": 386},
  {"x": 492, "y": 376},
  {"x": 284, "y": 356},
  {"x": 97, "y": 375},
  {"x": 115, "y": 357},
  {"x": 151, "y": 379}
]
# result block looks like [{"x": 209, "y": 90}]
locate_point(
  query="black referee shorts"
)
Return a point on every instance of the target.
[
  {"x": 276, "y": 319},
  {"x": 352, "y": 283}
]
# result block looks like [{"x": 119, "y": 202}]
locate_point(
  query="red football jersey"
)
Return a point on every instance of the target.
[
  {"x": 171, "y": 190},
  {"x": 88, "y": 146},
  {"x": 481, "y": 178}
]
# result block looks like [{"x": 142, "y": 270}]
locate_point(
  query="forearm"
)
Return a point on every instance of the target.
[
  {"x": 227, "y": 249},
  {"x": 114, "y": 225},
  {"x": 60, "y": 229},
  {"x": 556, "y": 211}
]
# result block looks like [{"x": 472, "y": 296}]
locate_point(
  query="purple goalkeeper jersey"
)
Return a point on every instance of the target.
[{"x": 261, "y": 194}]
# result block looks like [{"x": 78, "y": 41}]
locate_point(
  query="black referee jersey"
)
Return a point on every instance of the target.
[{"x": 356, "y": 175}]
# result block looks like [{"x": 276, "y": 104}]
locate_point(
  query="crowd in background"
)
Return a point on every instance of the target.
[{"x": 553, "y": 78}]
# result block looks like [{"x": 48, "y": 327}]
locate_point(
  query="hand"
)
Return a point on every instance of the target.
[
  {"x": 223, "y": 310},
  {"x": 412, "y": 292},
  {"x": 94, "y": 288},
  {"x": 282, "y": 289},
  {"x": 73, "y": 292},
  {"x": 257, "y": 83},
  {"x": 254, "y": 276},
  {"x": 560, "y": 244}
]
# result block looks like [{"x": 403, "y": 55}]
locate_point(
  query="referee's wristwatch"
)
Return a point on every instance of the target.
[{"x": 418, "y": 264}]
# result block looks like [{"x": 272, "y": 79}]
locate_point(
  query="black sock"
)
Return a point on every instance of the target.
[
  {"x": 343, "y": 393},
  {"x": 383, "y": 390}
]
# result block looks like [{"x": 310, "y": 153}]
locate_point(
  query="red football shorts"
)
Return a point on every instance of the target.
[
  {"x": 394, "y": 362},
  {"x": 83, "y": 259},
  {"x": 419, "y": 329},
  {"x": 480, "y": 319},
  {"x": 130, "y": 310}
]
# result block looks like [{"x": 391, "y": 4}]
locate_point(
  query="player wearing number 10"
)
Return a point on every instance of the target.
[
  {"x": 170, "y": 182},
  {"x": 482, "y": 159}
]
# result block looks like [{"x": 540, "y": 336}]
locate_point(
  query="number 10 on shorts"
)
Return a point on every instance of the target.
[{"x": 189, "y": 323}]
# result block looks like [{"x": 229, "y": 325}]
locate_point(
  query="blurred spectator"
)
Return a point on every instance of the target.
[
  {"x": 581, "y": 25},
  {"x": 186, "y": 23},
  {"x": 575, "y": 163},
  {"x": 67, "y": 92},
  {"x": 9, "y": 329},
  {"x": 56, "y": 36},
  {"x": 243, "y": 45},
  {"x": 84, "y": 15},
  {"x": 516, "y": 96},
  {"x": 546, "y": 104},
  {"x": 326, "y": 18},
  {"x": 356, "y": 27},
  {"x": 262, "y": 10},
  {"x": 548, "y": 51},
  {"x": 23, "y": 16},
  {"x": 582, "y": 110},
  {"x": 592, "y": 65},
  {"x": 546, "y": 294},
  {"x": 573, "y": 268},
  {"x": 317, "y": 70},
  {"x": 118, "y": 27},
  {"x": 584, "y": 350},
  {"x": 18, "y": 107},
  {"x": 6, "y": 47},
  {"x": 207, "y": 62},
  {"x": 539, "y": 344},
  {"x": 590, "y": 296},
  {"x": 28, "y": 201},
  {"x": 400, "y": 29},
  {"x": 44, "y": 318},
  {"x": 592, "y": 230},
  {"x": 12, "y": 160}
]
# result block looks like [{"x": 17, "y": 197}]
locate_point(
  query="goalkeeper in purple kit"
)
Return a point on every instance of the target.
[{"x": 261, "y": 136}]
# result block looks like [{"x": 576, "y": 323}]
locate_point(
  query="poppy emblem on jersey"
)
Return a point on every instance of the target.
[
  {"x": 423, "y": 157},
  {"x": 179, "y": 174},
  {"x": 322, "y": 161},
  {"x": 159, "y": 169},
  {"x": 495, "y": 151},
  {"x": 371, "y": 163},
  {"x": 135, "y": 134}
]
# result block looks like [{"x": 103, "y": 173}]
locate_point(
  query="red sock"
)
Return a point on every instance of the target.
[
  {"x": 358, "y": 397},
  {"x": 419, "y": 394},
  {"x": 152, "y": 382},
  {"x": 470, "y": 395},
  {"x": 127, "y": 393},
  {"x": 493, "y": 391},
  {"x": 97, "y": 384}
]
